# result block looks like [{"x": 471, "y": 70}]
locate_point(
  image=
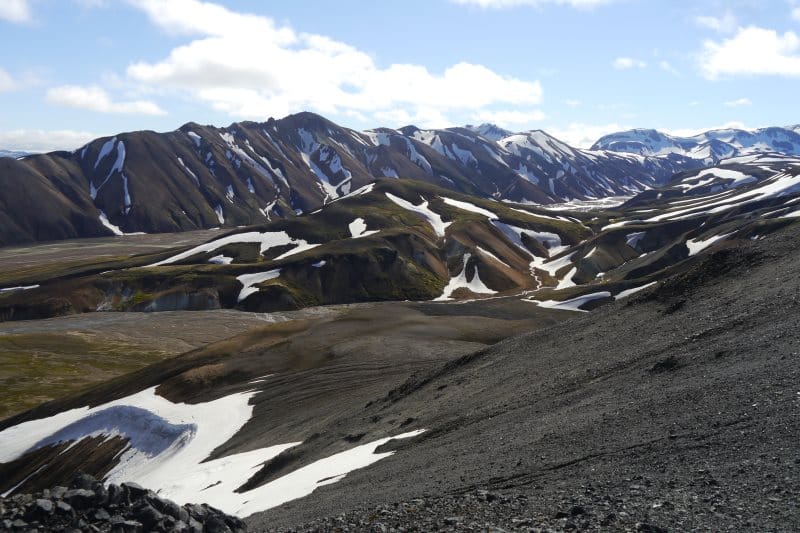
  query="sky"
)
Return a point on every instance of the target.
[{"x": 73, "y": 70}]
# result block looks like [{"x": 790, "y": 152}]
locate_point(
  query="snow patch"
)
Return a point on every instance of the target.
[
  {"x": 248, "y": 280},
  {"x": 433, "y": 219},
  {"x": 358, "y": 228},
  {"x": 474, "y": 285},
  {"x": 573, "y": 304}
]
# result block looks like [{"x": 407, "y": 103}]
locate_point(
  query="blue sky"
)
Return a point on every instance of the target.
[{"x": 77, "y": 69}]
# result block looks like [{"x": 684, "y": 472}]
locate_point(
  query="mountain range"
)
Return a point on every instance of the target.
[
  {"x": 250, "y": 173},
  {"x": 424, "y": 340}
]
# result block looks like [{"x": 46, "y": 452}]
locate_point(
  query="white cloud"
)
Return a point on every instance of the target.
[
  {"x": 7, "y": 83},
  {"x": 94, "y": 98},
  {"x": 626, "y": 63},
  {"x": 796, "y": 13},
  {"x": 15, "y": 10},
  {"x": 584, "y": 135},
  {"x": 44, "y": 140},
  {"x": 248, "y": 67},
  {"x": 667, "y": 67},
  {"x": 727, "y": 23},
  {"x": 738, "y": 103},
  {"x": 572, "y": 102},
  {"x": 752, "y": 51},
  {"x": 499, "y": 4},
  {"x": 691, "y": 132},
  {"x": 509, "y": 118}
]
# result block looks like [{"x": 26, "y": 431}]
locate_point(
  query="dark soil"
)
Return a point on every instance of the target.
[{"x": 628, "y": 418}]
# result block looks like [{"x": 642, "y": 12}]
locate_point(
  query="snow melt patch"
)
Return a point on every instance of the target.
[
  {"x": 474, "y": 285},
  {"x": 573, "y": 304},
  {"x": 634, "y": 290},
  {"x": 358, "y": 228},
  {"x": 104, "y": 221},
  {"x": 20, "y": 288},
  {"x": 696, "y": 246},
  {"x": 267, "y": 240},
  {"x": 249, "y": 280},
  {"x": 433, "y": 219},
  {"x": 305, "y": 480},
  {"x": 472, "y": 208},
  {"x": 170, "y": 442},
  {"x": 221, "y": 260},
  {"x": 220, "y": 214}
]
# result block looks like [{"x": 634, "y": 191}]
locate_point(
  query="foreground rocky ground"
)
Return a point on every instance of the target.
[
  {"x": 88, "y": 505},
  {"x": 677, "y": 409}
]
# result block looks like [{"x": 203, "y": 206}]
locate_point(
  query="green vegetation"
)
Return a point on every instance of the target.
[{"x": 38, "y": 367}]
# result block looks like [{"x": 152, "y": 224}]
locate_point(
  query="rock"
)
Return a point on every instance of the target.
[
  {"x": 57, "y": 492},
  {"x": 82, "y": 481},
  {"x": 577, "y": 511},
  {"x": 101, "y": 515},
  {"x": 134, "y": 491},
  {"x": 63, "y": 507},
  {"x": 649, "y": 528},
  {"x": 215, "y": 524},
  {"x": 80, "y": 498},
  {"x": 148, "y": 516},
  {"x": 115, "y": 494}
]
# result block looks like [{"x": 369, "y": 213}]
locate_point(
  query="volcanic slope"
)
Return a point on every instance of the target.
[
  {"x": 677, "y": 408},
  {"x": 198, "y": 177},
  {"x": 409, "y": 240}
]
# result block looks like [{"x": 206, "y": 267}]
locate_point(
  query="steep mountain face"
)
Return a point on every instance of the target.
[
  {"x": 249, "y": 173},
  {"x": 409, "y": 240},
  {"x": 687, "y": 426},
  {"x": 708, "y": 147}
]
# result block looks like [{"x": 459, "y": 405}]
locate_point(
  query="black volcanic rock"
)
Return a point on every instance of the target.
[{"x": 49, "y": 510}]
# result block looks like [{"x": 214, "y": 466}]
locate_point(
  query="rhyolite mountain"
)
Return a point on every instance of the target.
[
  {"x": 674, "y": 409},
  {"x": 709, "y": 147},
  {"x": 250, "y": 173},
  {"x": 410, "y": 240}
]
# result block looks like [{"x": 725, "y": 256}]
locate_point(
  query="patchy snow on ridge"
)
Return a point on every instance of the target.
[
  {"x": 573, "y": 304},
  {"x": 358, "y": 228},
  {"x": 220, "y": 214},
  {"x": 474, "y": 285},
  {"x": 20, "y": 288},
  {"x": 696, "y": 246},
  {"x": 433, "y": 219},
  {"x": 221, "y": 260},
  {"x": 634, "y": 290},
  {"x": 466, "y": 206},
  {"x": 248, "y": 280},
  {"x": 267, "y": 240},
  {"x": 168, "y": 444},
  {"x": 104, "y": 221}
]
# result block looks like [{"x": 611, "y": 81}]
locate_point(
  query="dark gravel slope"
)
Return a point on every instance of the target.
[{"x": 676, "y": 409}]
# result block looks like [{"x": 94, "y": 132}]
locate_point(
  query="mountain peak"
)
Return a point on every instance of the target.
[{"x": 490, "y": 131}]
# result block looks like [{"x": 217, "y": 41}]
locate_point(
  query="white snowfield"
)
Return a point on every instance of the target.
[
  {"x": 20, "y": 288},
  {"x": 358, "y": 228},
  {"x": 573, "y": 304},
  {"x": 472, "y": 208},
  {"x": 732, "y": 179},
  {"x": 268, "y": 239},
  {"x": 628, "y": 292},
  {"x": 168, "y": 444},
  {"x": 434, "y": 219},
  {"x": 474, "y": 285},
  {"x": 104, "y": 221},
  {"x": 248, "y": 280},
  {"x": 696, "y": 246}
]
